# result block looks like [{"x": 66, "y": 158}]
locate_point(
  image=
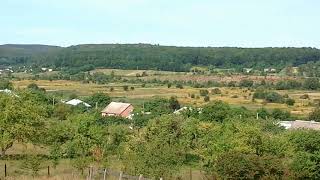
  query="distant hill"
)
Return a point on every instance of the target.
[{"x": 147, "y": 56}]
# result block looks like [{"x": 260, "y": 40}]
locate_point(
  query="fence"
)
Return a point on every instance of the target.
[
  {"x": 111, "y": 175},
  {"x": 93, "y": 174}
]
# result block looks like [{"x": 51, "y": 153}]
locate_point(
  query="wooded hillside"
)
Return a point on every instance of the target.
[{"x": 146, "y": 56}]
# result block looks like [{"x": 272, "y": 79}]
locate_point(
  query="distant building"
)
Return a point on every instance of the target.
[
  {"x": 118, "y": 109},
  {"x": 247, "y": 70},
  {"x": 76, "y": 102},
  {"x": 299, "y": 124},
  {"x": 269, "y": 70},
  {"x": 9, "y": 92}
]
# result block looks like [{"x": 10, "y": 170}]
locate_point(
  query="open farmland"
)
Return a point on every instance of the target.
[{"x": 233, "y": 96}]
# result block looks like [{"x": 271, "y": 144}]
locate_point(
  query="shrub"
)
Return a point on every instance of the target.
[
  {"x": 204, "y": 92},
  {"x": 179, "y": 86},
  {"x": 315, "y": 115},
  {"x": 216, "y": 91},
  {"x": 246, "y": 83},
  {"x": 169, "y": 85},
  {"x": 126, "y": 88},
  {"x": 206, "y": 99},
  {"x": 305, "y": 96},
  {"x": 132, "y": 88},
  {"x": 237, "y": 165},
  {"x": 290, "y": 101},
  {"x": 274, "y": 97},
  {"x": 281, "y": 115},
  {"x": 234, "y": 96}
]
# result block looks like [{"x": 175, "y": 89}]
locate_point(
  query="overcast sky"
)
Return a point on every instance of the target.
[{"x": 245, "y": 23}]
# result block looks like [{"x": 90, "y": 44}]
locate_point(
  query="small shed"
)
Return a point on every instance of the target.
[
  {"x": 118, "y": 109},
  {"x": 76, "y": 102}
]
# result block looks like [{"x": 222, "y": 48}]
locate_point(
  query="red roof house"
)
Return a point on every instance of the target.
[{"x": 118, "y": 109}]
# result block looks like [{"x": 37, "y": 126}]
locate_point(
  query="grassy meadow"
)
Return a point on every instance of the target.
[{"x": 234, "y": 96}]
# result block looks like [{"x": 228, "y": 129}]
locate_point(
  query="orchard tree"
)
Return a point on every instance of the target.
[
  {"x": 160, "y": 149},
  {"x": 216, "y": 111},
  {"x": 20, "y": 121},
  {"x": 101, "y": 99}
]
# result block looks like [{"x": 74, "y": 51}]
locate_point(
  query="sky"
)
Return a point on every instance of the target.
[{"x": 216, "y": 23}]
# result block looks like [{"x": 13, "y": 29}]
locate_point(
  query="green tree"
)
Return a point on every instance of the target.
[
  {"x": 311, "y": 83},
  {"x": 216, "y": 111},
  {"x": 237, "y": 165},
  {"x": 100, "y": 99},
  {"x": 160, "y": 151},
  {"x": 20, "y": 121}
]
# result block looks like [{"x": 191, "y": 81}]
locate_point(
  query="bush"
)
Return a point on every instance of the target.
[
  {"x": 179, "y": 86},
  {"x": 246, "y": 83},
  {"x": 216, "y": 91},
  {"x": 305, "y": 96},
  {"x": 206, "y": 99},
  {"x": 5, "y": 84},
  {"x": 204, "y": 92},
  {"x": 125, "y": 88},
  {"x": 33, "y": 163},
  {"x": 132, "y": 88},
  {"x": 315, "y": 115},
  {"x": 192, "y": 96},
  {"x": 259, "y": 94},
  {"x": 237, "y": 165},
  {"x": 290, "y": 102},
  {"x": 278, "y": 114},
  {"x": 234, "y": 96},
  {"x": 274, "y": 97},
  {"x": 111, "y": 89},
  {"x": 169, "y": 85}
]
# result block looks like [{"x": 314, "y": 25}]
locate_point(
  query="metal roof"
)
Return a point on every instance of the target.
[{"x": 116, "y": 108}]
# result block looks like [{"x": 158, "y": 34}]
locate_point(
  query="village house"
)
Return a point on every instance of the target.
[
  {"x": 118, "y": 109},
  {"x": 76, "y": 102},
  {"x": 299, "y": 124}
]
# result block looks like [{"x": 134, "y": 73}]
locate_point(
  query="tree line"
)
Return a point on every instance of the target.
[{"x": 145, "y": 56}]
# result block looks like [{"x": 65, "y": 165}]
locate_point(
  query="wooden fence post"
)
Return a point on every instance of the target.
[
  {"x": 48, "y": 170},
  {"x": 91, "y": 172},
  {"x": 104, "y": 174},
  {"x": 120, "y": 176},
  {"x": 5, "y": 170},
  {"x": 161, "y": 178},
  {"x": 140, "y": 177}
]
